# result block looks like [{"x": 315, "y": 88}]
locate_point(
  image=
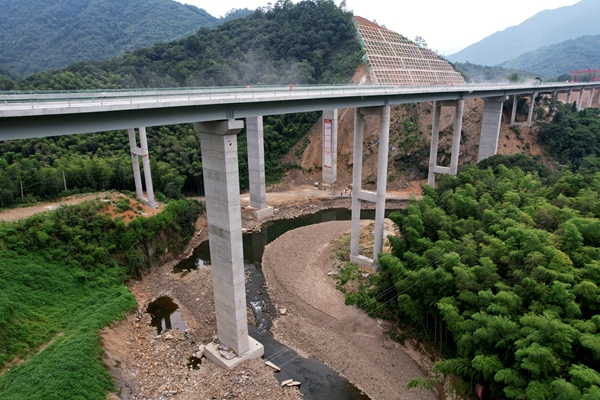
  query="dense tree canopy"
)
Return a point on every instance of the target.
[
  {"x": 312, "y": 41},
  {"x": 504, "y": 271},
  {"x": 37, "y": 35},
  {"x": 572, "y": 135}
]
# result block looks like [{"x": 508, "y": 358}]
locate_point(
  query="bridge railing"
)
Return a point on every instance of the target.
[{"x": 209, "y": 94}]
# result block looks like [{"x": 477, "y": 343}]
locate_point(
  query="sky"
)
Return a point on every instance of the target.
[{"x": 447, "y": 25}]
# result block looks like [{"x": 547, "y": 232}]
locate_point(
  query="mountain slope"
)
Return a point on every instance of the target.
[
  {"x": 543, "y": 29},
  {"x": 557, "y": 59},
  {"x": 37, "y": 35},
  {"x": 308, "y": 42}
]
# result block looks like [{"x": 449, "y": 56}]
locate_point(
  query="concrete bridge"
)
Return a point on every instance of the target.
[{"x": 218, "y": 113}]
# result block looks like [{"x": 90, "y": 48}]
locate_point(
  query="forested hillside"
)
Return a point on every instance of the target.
[
  {"x": 560, "y": 58},
  {"x": 38, "y": 35},
  {"x": 307, "y": 42},
  {"x": 545, "y": 28},
  {"x": 497, "y": 271},
  {"x": 475, "y": 73}
]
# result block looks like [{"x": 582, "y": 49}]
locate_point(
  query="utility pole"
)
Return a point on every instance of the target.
[
  {"x": 64, "y": 181},
  {"x": 22, "y": 197}
]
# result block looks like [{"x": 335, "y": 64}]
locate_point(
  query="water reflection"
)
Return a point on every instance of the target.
[{"x": 165, "y": 315}]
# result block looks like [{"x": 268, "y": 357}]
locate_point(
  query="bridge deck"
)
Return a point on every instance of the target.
[{"x": 38, "y": 114}]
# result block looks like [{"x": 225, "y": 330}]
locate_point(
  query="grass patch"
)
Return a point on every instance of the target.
[{"x": 61, "y": 281}]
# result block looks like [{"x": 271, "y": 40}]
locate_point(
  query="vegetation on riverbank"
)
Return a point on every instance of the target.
[
  {"x": 497, "y": 270},
  {"x": 500, "y": 273},
  {"x": 62, "y": 279}
]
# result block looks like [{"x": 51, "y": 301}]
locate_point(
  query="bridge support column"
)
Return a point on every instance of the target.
[
  {"x": 359, "y": 195},
  {"x": 222, "y": 190},
  {"x": 330, "y": 133},
  {"x": 570, "y": 96},
  {"x": 256, "y": 167},
  {"x": 580, "y": 101},
  {"x": 531, "y": 108},
  {"x": 591, "y": 98},
  {"x": 513, "y": 115},
  {"x": 490, "y": 127},
  {"x": 435, "y": 136},
  {"x": 135, "y": 153}
]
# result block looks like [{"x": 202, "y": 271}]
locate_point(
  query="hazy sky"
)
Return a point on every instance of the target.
[{"x": 447, "y": 25}]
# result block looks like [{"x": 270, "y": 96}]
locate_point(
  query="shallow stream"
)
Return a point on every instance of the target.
[{"x": 318, "y": 380}]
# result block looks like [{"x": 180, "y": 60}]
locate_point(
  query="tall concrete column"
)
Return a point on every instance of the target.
[
  {"x": 359, "y": 195},
  {"x": 531, "y": 108},
  {"x": 435, "y": 134},
  {"x": 146, "y": 165},
  {"x": 382, "y": 169},
  {"x": 513, "y": 115},
  {"x": 221, "y": 183},
  {"x": 569, "y": 96},
  {"x": 143, "y": 152},
  {"x": 330, "y": 133},
  {"x": 490, "y": 127},
  {"x": 256, "y": 167},
  {"x": 359, "y": 126},
  {"x": 591, "y": 98},
  {"x": 435, "y": 137},
  {"x": 139, "y": 192},
  {"x": 580, "y": 101},
  {"x": 460, "y": 104}
]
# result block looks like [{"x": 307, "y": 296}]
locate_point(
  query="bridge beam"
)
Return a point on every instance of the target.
[
  {"x": 220, "y": 170},
  {"x": 143, "y": 152},
  {"x": 435, "y": 136},
  {"x": 490, "y": 127},
  {"x": 256, "y": 167},
  {"x": 359, "y": 195},
  {"x": 330, "y": 133}
]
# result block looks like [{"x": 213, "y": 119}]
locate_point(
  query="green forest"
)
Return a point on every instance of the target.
[
  {"x": 497, "y": 271},
  {"x": 37, "y": 35},
  {"x": 310, "y": 42},
  {"x": 558, "y": 59},
  {"x": 62, "y": 279},
  {"x": 307, "y": 42}
]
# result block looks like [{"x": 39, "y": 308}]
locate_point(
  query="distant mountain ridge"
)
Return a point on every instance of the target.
[
  {"x": 543, "y": 29},
  {"x": 554, "y": 60},
  {"x": 37, "y": 35}
]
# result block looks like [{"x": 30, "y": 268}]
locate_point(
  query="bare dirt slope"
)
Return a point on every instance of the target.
[
  {"x": 137, "y": 208},
  {"x": 409, "y": 143},
  {"x": 317, "y": 323}
]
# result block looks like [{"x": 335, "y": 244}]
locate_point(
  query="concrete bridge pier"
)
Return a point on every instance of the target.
[
  {"x": 580, "y": 101},
  {"x": 531, "y": 108},
  {"x": 359, "y": 195},
  {"x": 256, "y": 167},
  {"x": 591, "y": 98},
  {"x": 330, "y": 134},
  {"x": 136, "y": 152},
  {"x": 513, "y": 115},
  {"x": 490, "y": 127},
  {"x": 570, "y": 96},
  {"x": 435, "y": 137},
  {"x": 222, "y": 190}
]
